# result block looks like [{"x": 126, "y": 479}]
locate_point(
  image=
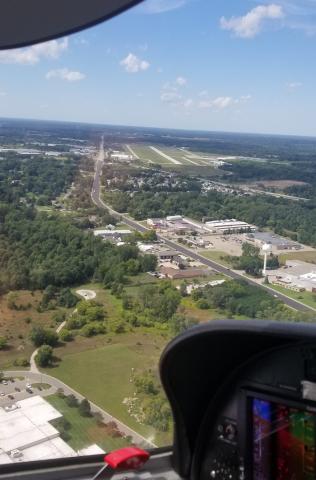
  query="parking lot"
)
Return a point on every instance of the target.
[{"x": 16, "y": 389}]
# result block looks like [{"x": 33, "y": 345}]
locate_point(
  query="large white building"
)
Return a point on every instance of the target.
[
  {"x": 26, "y": 434},
  {"x": 296, "y": 275},
  {"x": 119, "y": 156},
  {"x": 232, "y": 225}
]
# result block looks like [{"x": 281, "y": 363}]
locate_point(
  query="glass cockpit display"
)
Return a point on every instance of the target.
[{"x": 283, "y": 441}]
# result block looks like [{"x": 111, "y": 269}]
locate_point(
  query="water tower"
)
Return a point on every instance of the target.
[{"x": 267, "y": 249}]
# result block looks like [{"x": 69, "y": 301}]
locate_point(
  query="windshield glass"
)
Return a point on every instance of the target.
[{"x": 116, "y": 238}]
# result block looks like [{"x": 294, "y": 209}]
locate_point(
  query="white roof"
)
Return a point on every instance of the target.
[
  {"x": 91, "y": 450},
  {"x": 112, "y": 232},
  {"x": 55, "y": 448},
  {"x": 28, "y": 425}
]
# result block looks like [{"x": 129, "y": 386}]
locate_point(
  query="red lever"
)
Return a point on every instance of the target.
[{"x": 128, "y": 458}]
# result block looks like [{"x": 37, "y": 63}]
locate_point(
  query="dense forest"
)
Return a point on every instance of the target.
[
  {"x": 36, "y": 180},
  {"x": 37, "y": 250},
  {"x": 293, "y": 218}
]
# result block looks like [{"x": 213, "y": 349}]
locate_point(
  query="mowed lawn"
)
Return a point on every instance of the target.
[
  {"x": 103, "y": 375},
  {"x": 308, "y": 298},
  {"x": 216, "y": 256},
  {"x": 84, "y": 431},
  {"x": 303, "y": 256}
]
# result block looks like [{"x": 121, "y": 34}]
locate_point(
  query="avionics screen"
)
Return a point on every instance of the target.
[{"x": 283, "y": 442}]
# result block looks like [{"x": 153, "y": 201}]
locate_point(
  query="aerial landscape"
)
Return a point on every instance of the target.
[
  {"x": 116, "y": 239},
  {"x": 157, "y": 172}
]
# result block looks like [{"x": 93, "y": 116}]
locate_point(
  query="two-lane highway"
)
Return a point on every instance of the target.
[{"x": 95, "y": 195}]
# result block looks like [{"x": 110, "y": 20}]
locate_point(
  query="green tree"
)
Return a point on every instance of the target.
[
  {"x": 3, "y": 343},
  {"x": 84, "y": 408},
  {"x": 41, "y": 336},
  {"x": 71, "y": 400},
  {"x": 44, "y": 356},
  {"x": 65, "y": 335}
]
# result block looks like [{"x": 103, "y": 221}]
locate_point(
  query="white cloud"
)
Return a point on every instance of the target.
[
  {"x": 170, "y": 97},
  {"x": 2, "y": 93},
  {"x": 249, "y": 25},
  {"x": 181, "y": 81},
  {"x": 203, "y": 93},
  {"x": 65, "y": 74},
  {"x": 133, "y": 64},
  {"x": 221, "y": 103},
  {"x": 188, "y": 103},
  {"x": 32, "y": 55},
  {"x": 293, "y": 85},
  {"x": 161, "y": 6},
  {"x": 218, "y": 103}
]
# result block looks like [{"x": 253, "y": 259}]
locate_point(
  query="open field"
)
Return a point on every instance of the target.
[
  {"x": 191, "y": 310},
  {"x": 84, "y": 431},
  {"x": 216, "y": 256},
  {"x": 308, "y": 298},
  {"x": 16, "y": 324},
  {"x": 308, "y": 256},
  {"x": 103, "y": 374}
]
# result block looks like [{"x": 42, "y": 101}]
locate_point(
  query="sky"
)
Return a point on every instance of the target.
[{"x": 217, "y": 65}]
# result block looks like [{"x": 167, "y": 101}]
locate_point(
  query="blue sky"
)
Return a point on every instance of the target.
[{"x": 232, "y": 65}]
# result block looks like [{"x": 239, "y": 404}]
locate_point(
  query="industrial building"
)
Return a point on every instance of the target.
[
  {"x": 115, "y": 236},
  {"x": 295, "y": 275},
  {"x": 229, "y": 226},
  {"x": 26, "y": 433},
  {"x": 121, "y": 157},
  {"x": 276, "y": 241}
]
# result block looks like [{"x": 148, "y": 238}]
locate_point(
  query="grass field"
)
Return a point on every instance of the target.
[
  {"x": 103, "y": 374},
  {"x": 84, "y": 431},
  {"x": 308, "y": 298},
  {"x": 303, "y": 256},
  {"x": 191, "y": 310},
  {"x": 216, "y": 256}
]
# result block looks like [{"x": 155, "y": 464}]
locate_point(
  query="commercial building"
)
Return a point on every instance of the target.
[
  {"x": 296, "y": 275},
  {"x": 167, "y": 255},
  {"x": 156, "y": 222},
  {"x": 276, "y": 241},
  {"x": 121, "y": 157},
  {"x": 229, "y": 226},
  {"x": 26, "y": 433},
  {"x": 115, "y": 236}
]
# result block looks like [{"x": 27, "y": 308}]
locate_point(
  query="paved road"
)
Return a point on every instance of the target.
[
  {"x": 95, "y": 195},
  {"x": 55, "y": 384}
]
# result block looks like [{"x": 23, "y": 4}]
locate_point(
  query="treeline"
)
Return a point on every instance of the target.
[
  {"x": 250, "y": 171},
  {"x": 295, "y": 219},
  {"x": 39, "y": 179},
  {"x": 237, "y": 297},
  {"x": 37, "y": 250}
]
